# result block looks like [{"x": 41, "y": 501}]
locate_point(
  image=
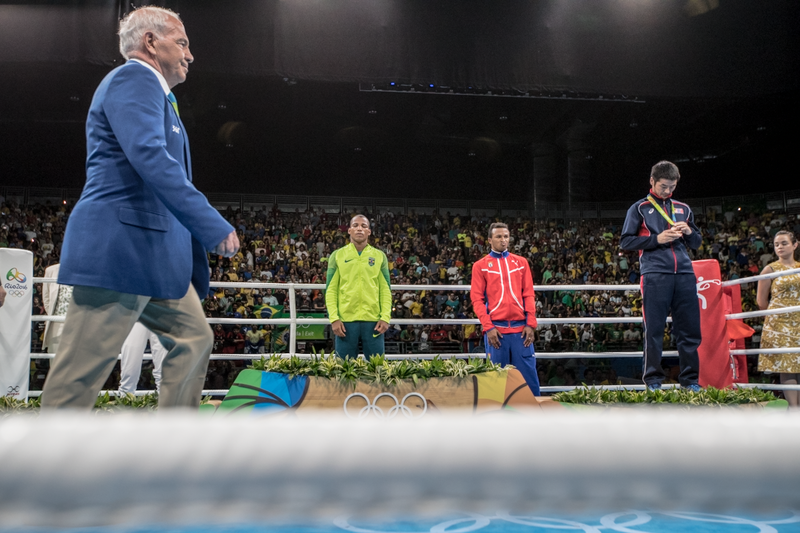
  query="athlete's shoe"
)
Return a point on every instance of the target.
[
  {"x": 694, "y": 387},
  {"x": 654, "y": 386}
]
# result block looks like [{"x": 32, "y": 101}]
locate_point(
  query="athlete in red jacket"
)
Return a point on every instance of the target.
[{"x": 502, "y": 297}]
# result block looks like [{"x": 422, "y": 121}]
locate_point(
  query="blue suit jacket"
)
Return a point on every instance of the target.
[{"x": 140, "y": 226}]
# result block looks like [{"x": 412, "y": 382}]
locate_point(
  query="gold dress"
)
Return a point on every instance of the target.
[{"x": 782, "y": 331}]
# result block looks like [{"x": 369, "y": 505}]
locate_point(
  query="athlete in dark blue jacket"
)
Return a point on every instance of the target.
[{"x": 662, "y": 229}]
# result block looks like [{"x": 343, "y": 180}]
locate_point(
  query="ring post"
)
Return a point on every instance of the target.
[
  {"x": 16, "y": 269},
  {"x": 293, "y": 316}
]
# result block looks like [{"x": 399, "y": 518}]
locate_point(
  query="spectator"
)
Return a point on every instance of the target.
[
  {"x": 406, "y": 335},
  {"x": 438, "y": 335},
  {"x": 632, "y": 336},
  {"x": 254, "y": 341},
  {"x": 782, "y": 331},
  {"x": 578, "y": 242}
]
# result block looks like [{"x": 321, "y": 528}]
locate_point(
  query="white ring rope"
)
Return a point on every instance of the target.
[
  {"x": 765, "y": 312},
  {"x": 47, "y": 318},
  {"x": 291, "y": 287},
  {"x": 242, "y": 470},
  {"x": 140, "y": 392},
  {"x": 768, "y": 386},
  {"x": 544, "y": 388},
  {"x": 585, "y": 287},
  {"x": 759, "y": 277},
  {"x": 757, "y": 351}
]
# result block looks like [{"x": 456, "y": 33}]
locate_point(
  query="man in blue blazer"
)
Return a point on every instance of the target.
[{"x": 135, "y": 244}]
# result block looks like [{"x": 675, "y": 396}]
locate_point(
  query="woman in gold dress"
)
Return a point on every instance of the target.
[{"x": 781, "y": 331}]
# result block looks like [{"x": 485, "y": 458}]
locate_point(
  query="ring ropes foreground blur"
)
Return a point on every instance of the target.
[{"x": 293, "y": 321}]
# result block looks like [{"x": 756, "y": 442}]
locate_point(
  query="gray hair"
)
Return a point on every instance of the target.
[{"x": 138, "y": 22}]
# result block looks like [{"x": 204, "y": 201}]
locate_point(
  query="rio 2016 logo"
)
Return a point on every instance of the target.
[
  {"x": 16, "y": 287},
  {"x": 16, "y": 275}
]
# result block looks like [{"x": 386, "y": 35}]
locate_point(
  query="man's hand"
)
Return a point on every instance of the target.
[
  {"x": 2, "y": 296},
  {"x": 669, "y": 235},
  {"x": 381, "y": 327},
  {"x": 528, "y": 336},
  {"x": 338, "y": 328},
  {"x": 229, "y": 246},
  {"x": 684, "y": 227},
  {"x": 493, "y": 338}
]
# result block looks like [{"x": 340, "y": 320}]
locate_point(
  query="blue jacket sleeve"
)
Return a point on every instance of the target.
[
  {"x": 631, "y": 240},
  {"x": 694, "y": 240},
  {"x": 135, "y": 107}
]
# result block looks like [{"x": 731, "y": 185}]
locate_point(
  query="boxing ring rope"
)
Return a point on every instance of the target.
[
  {"x": 765, "y": 312},
  {"x": 756, "y": 351},
  {"x": 293, "y": 321},
  {"x": 759, "y": 277},
  {"x": 60, "y": 470}
]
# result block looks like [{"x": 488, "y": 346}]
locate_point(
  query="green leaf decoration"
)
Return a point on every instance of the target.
[
  {"x": 377, "y": 370},
  {"x": 709, "y": 396}
]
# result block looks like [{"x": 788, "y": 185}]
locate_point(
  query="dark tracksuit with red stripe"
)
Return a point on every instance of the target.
[{"x": 668, "y": 284}]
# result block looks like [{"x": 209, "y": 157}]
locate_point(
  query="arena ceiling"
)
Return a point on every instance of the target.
[{"x": 281, "y": 100}]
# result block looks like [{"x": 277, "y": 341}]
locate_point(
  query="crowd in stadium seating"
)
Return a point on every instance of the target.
[{"x": 431, "y": 250}]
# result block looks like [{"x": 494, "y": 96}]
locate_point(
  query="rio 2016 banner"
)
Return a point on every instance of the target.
[
  {"x": 311, "y": 331},
  {"x": 281, "y": 336},
  {"x": 16, "y": 276}
]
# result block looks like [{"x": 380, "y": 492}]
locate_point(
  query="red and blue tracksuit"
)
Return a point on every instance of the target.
[
  {"x": 668, "y": 285},
  {"x": 502, "y": 297}
]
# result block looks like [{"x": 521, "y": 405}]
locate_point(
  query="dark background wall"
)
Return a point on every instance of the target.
[{"x": 280, "y": 98}]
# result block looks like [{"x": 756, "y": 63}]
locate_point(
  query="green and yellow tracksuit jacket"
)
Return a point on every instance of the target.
[{"x": 357, "y": 286}]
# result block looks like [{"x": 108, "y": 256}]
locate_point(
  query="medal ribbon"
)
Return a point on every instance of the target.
[{"x": 661, "y": 210}]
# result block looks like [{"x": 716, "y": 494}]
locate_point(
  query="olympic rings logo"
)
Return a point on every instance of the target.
[
  {"x": 620, "y": 521},
  {"x": 16, "y": 293},
  {"x": 398, "y": 407},
  {"x": 13, "y": 390}
]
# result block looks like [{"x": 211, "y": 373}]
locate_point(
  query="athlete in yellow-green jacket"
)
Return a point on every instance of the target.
[{"x": 357, "y": 294}]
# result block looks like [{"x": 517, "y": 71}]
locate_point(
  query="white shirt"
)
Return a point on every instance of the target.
[
  {"x": 629, "y": 335},
  {"x": 161, "y": 79},
  {"x": 549, "y": 335}
]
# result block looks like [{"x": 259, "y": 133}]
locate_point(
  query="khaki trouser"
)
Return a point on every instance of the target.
[{"x": 97, "y": 323}]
